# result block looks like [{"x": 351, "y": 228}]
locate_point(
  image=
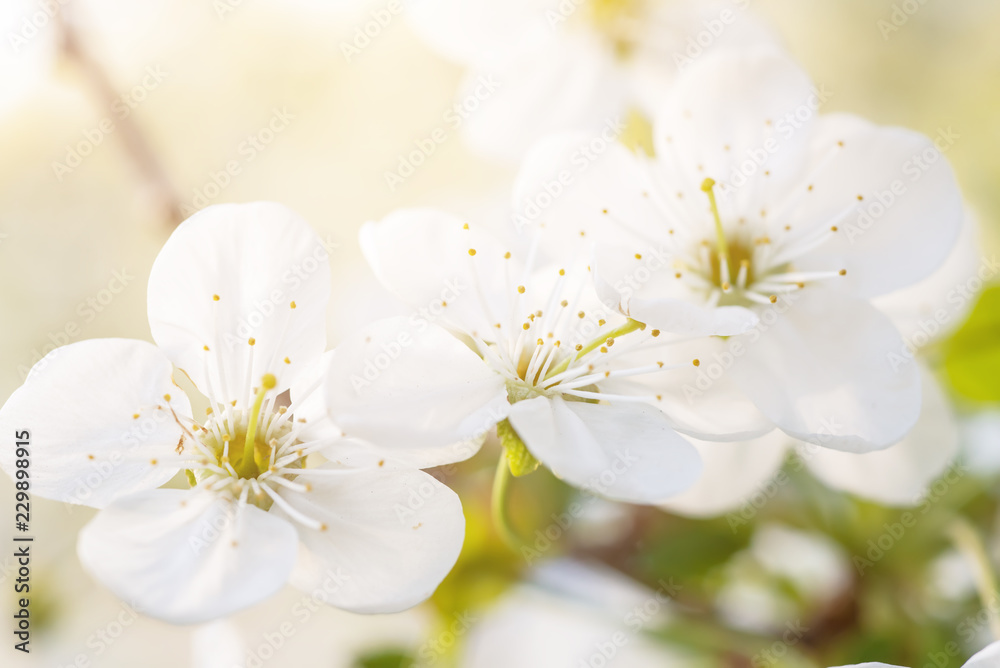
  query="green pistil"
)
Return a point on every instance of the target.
[
  {"x": 707, "y": 187},
  {"x": 249, "y": 466},
  {"x": 601, "y": 340}
]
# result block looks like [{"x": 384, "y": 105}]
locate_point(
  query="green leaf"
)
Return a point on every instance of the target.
[
  {"x": 520, "y": 461},
  {"x": 972, "y": 355}
]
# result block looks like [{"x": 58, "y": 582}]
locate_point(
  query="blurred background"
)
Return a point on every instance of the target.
[{"x": 118, "y": 119}]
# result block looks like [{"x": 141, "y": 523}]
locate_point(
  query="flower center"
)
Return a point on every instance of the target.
[
  {"x": 749, "y": 268},
  {"x": 245, "y": 450},
  {"x": 617, "y": 21}
]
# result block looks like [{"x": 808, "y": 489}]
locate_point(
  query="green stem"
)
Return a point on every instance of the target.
[
  {"x": 969, "y": 543},
  {"x": 707, "y": 186},
  {"x": 627, "y": 328},
  {"x": 501, "y": 518}
]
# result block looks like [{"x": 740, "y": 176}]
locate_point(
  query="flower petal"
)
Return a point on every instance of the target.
[
  {"x": 425, "y": 258},
  {"x": 730, "y": 109},
  {"x": 625, "y": 452},
  {"x": 402, "y": 385},
  {"x": 909, "y": 216},
  {"x": 358, "y": 454},
  {"x": 830, "y": 371},
  {"x": 236, "y": 273},
  {"x": 390, "y": 538},
  {"x": 901, "y": 474},
  {"x": 480, "y": 32},
  {"x": 569, "y": 83},
  {"x": 989, "y": 657},
  {"x": 185, "y": 557},
  {"x": 700, "y": 401},
  {"x": 734, "y": 473},
  {"x": 933, "y": 308},
  {"x": 98, "y": 418}
]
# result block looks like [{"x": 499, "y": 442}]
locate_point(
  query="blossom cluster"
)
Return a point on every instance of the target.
[{"x": 658, "y": 324}]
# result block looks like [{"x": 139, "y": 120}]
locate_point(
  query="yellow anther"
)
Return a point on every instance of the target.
[
  {"x": 520, "y": 289},
  {"x": 292, "y": 305},
  {"x": 655, "y": 332},
  {"x": 696, "y": 362},
  {"x": 472, "y": 251},
  {"x": 215, "y": 297},
  {"x": 252, "y": 341}
]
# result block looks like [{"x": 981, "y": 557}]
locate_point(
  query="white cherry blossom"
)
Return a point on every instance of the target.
[
  {"x": 579, "y": 65},
  {"x": 774, "y": 226},
  {"x": 237, "y": 301},
  {"x": 560, "y": 365}
]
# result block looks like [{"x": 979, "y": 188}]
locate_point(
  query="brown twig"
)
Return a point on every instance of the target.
[{"x": 133, "y": 139}]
